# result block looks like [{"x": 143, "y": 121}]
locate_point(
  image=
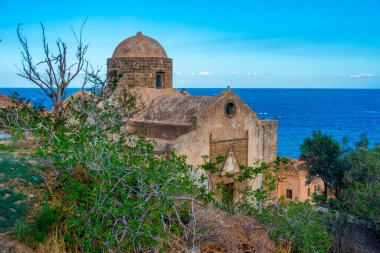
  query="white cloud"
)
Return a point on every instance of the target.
[
  {"x": 361, "y": 75},
  {"x": 205, "y": 73},
  {"x": 252, "y": 73},
  {"x": 234, "y": 73},
  {"x": 177, "y": 73},
  {"x": 201, "y": 73}
]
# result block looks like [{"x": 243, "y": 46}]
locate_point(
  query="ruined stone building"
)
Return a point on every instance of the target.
[{"x": 192, "y": 125}]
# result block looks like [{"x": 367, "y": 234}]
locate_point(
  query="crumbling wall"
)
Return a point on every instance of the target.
[{"x": 352, "y": 237}]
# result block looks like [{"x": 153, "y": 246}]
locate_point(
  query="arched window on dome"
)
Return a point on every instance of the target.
[{"x": 160, "y": 80}]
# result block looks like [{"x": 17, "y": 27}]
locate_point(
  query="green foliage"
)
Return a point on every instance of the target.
[
  {"x": 319, "y": 198},
  {"x": 296, "y": 225},
  {"x": 361, "y": 196},
  {"x": 299, "y": 226},
  {"x": 115, "y": 192},
  {"x": 246, "y": 200},
  {"x": 12, "y": 208},
  {"x": 7, "y": 148},
  {"x": 322, "y": 157},
  {"x": 23, "y": 117},
  {"x": 133, "y": 204},
  {"x": 362, "y": 201},
  {"x": 44, "y": 223},
  {"x": 364, "y": 162},
  {"x": 353, "y": 178}
]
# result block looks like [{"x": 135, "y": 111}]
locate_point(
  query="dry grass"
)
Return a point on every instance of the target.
[
  {"x": 53, "y": 244},
  {"x": 219, "y": 231}
]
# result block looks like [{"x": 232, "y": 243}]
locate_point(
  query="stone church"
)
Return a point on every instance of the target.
[{"x": 192, "y": 125}]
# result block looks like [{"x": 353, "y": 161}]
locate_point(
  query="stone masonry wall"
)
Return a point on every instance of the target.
[
  {"x": 141, "y": 71},
  {"x": 357, "y": 238},
  {"x": 239, "y": 146}
]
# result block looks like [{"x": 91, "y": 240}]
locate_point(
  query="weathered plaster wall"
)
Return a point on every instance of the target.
[
  {"x": 210, "y": 131},
  {"x": 213, "y": 120},
  {"x": 141, "y": 71},
  {"x": 269, "y": 142},
  {"x": 291, "y": 183},
  {"x": 297, "y": 183},
  {"x": 160, "y": 130},
  {"x": 303, "y": 195}
]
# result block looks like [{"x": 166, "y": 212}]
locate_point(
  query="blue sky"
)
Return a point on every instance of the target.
[{"x": 248, "y": 44}]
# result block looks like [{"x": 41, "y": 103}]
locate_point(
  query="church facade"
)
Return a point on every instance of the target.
[{"x": 192, "y": 125}]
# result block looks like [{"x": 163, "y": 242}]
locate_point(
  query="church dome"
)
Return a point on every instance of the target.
[{"x": 139, "y": 46}]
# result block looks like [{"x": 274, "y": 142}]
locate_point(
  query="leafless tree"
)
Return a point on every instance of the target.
[{"x": 53, "y": 74}]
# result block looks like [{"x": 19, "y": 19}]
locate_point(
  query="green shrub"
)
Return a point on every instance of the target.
[
  {"x": 133, "y": 205},
  {"x": 293, "y": 224},
  {"x": 246, "y": 200},
  {"x": 299, "y": 226},
  {"x": 7, "y": 148},
  {"x": 116, "y": 193},
  {"x": 320, "y": 199},
  {"x": 44, "y": 223},
  {"x": 361, "y": 197}
]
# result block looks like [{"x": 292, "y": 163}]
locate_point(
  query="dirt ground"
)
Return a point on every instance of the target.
[{"x": 9, "y": 245}]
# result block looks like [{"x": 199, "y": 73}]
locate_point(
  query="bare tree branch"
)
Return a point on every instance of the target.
[{"x": 53, "y": 74}]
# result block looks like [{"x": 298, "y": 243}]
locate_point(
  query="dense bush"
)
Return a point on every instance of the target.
[
  {"x": 294, "y": 226},
  {"x": 115, "y": 194},
  {"x": 298, "y": 226},
  {"x": 351, "y": 174},
  {"x": 361, "y": 195},
  {"x": 322, "y": 160},
  {"x": 137, "y": 202},
  {"x": 246, "y": 199},
  {"x": 45, "y": 222}
]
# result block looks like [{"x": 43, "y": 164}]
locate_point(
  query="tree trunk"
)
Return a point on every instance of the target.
[
  {"x": 57, "y": 103},
  {"x": 337, "y": 192},
  {"x": 326, "y": 186}
]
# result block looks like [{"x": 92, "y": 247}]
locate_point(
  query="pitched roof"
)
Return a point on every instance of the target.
[
  {"x": 177, "y": 108},
  {"x": 293, "y": 168}
]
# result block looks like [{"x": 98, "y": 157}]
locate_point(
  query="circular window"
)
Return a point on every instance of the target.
[{"x": 230, "y": 109}]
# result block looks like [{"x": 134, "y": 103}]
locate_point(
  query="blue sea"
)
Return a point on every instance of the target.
[{"x": 337, "y": 112}]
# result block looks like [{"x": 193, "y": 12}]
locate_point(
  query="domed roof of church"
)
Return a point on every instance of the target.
[{"x": 139, "y": 46}]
